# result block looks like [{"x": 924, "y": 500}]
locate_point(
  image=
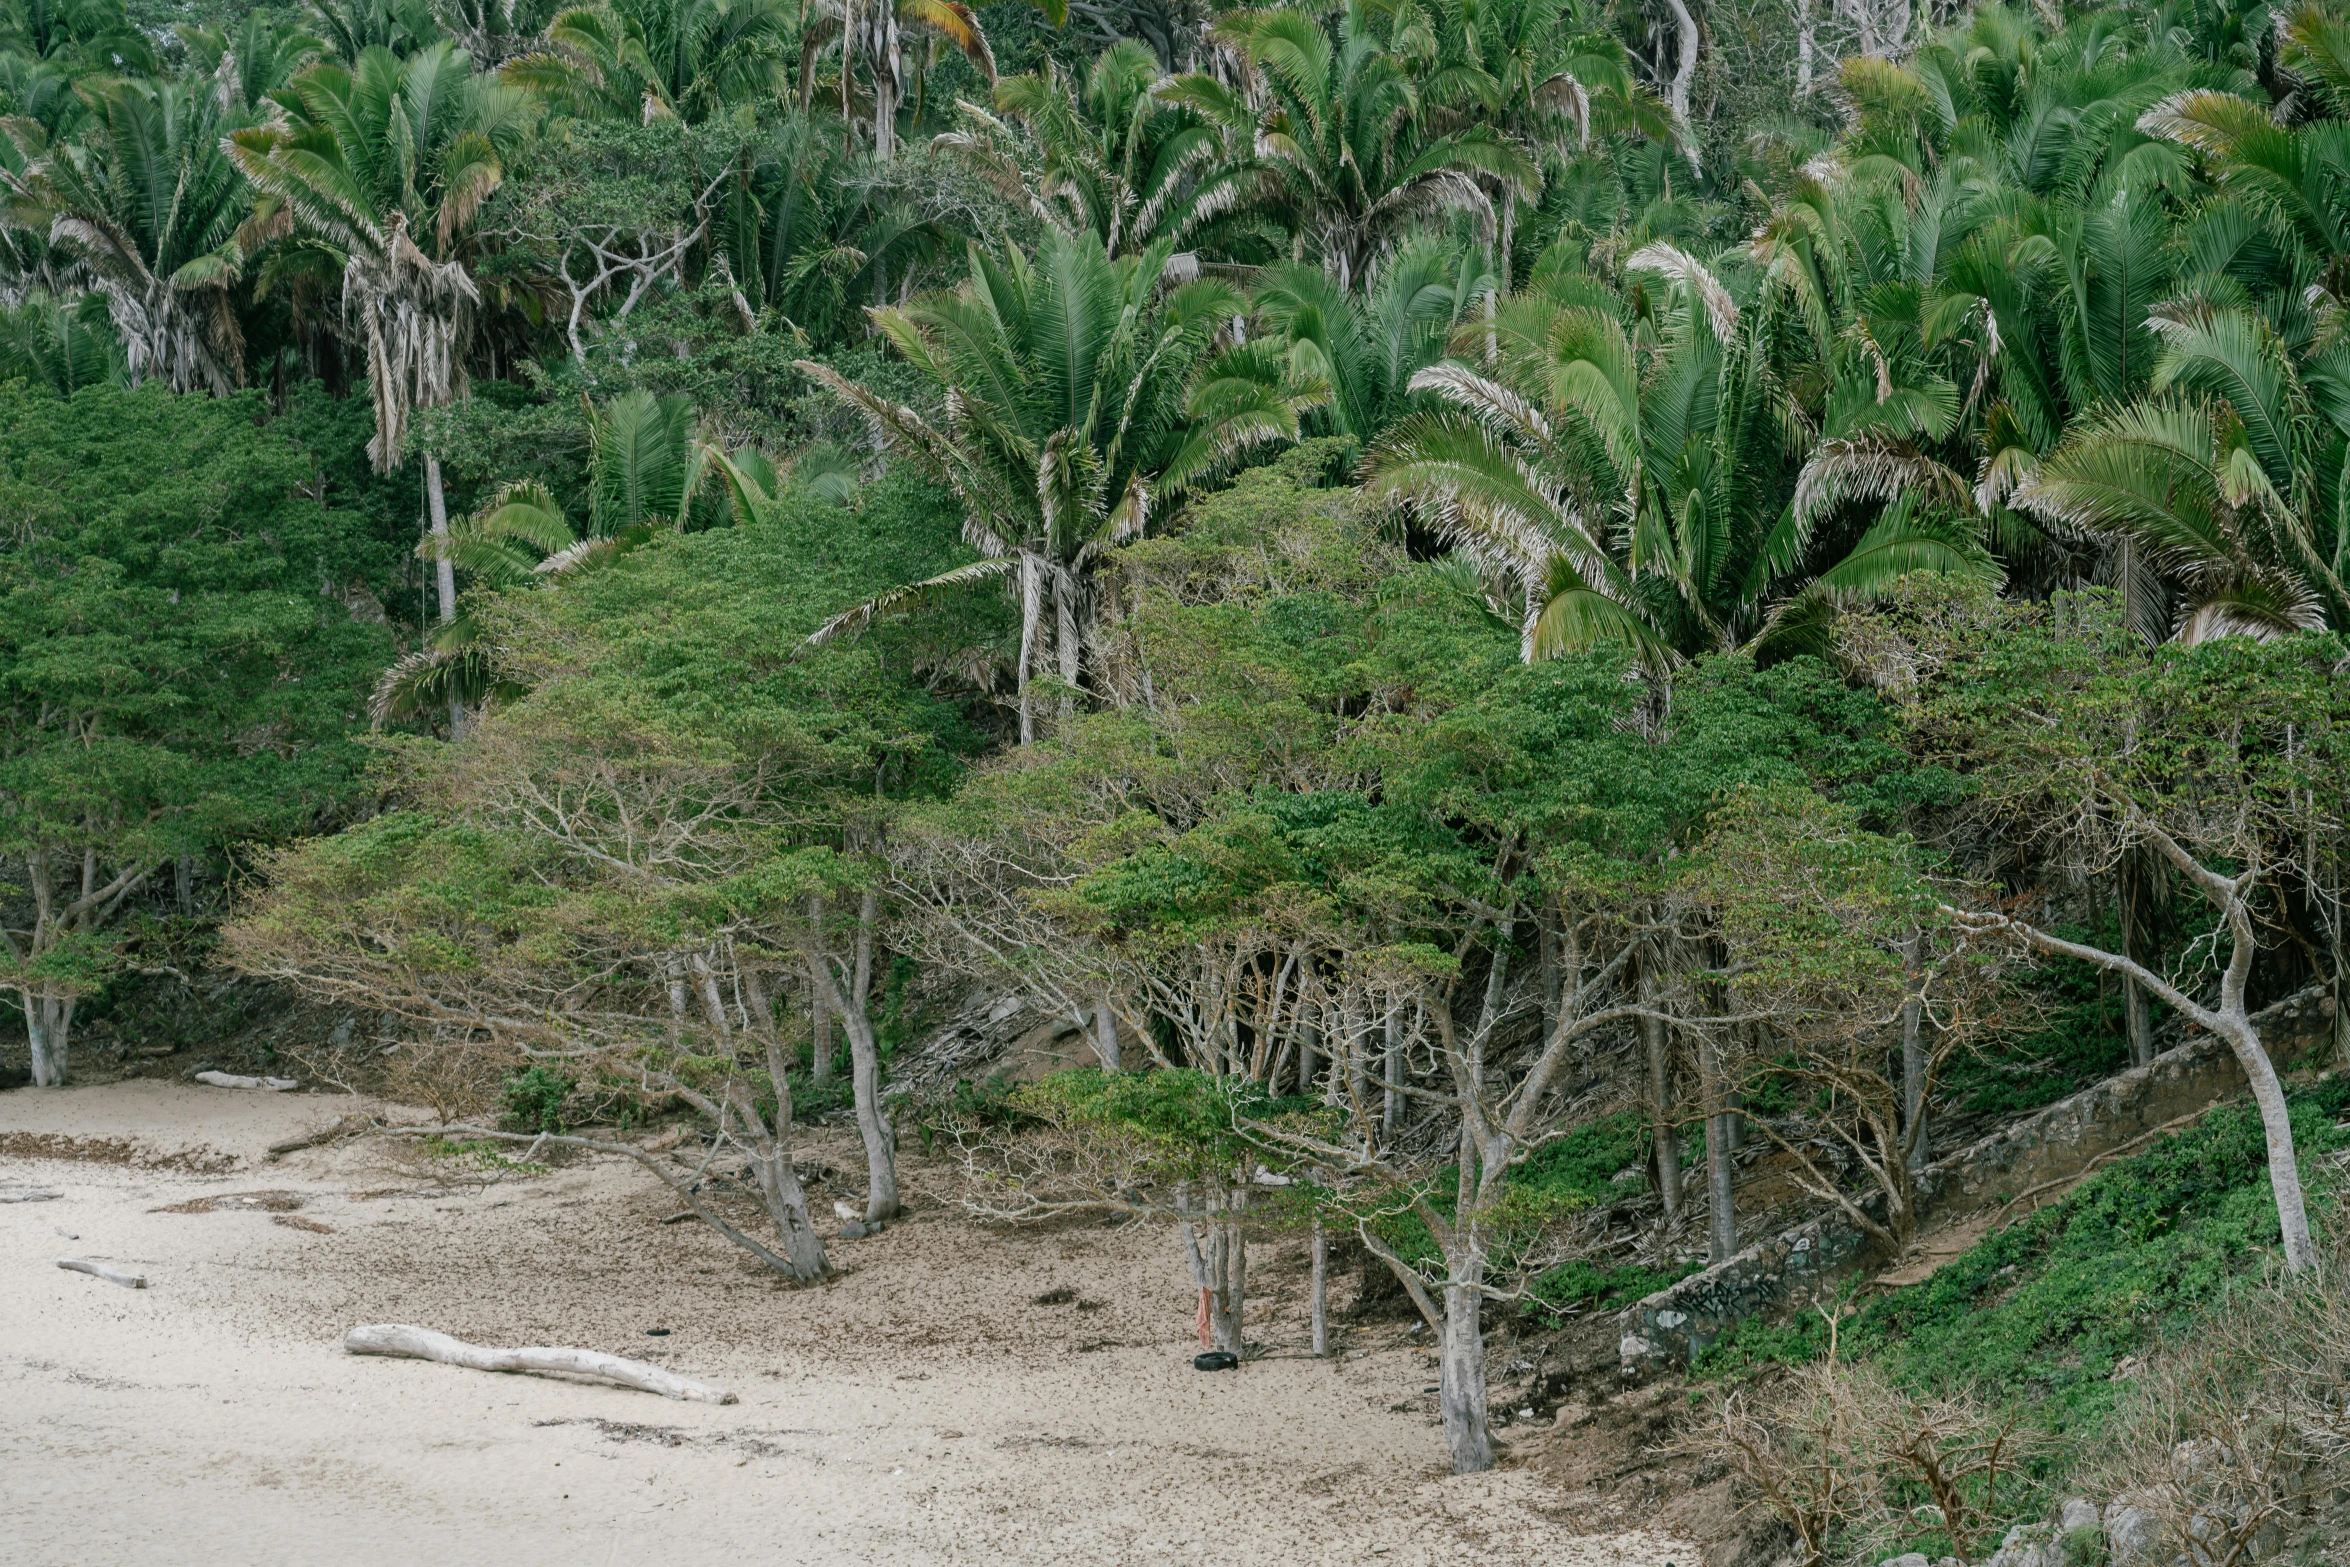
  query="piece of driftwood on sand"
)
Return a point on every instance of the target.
[
  {"x": 343, "y": 1126},
  {"x": 391, "y": 1338},
  {"x": 275, "y": 1085},
  {"x": 99, "y": 1270}
]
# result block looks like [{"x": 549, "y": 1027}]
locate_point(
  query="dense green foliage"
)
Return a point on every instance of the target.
[
  {"x": 1468, "y": 592},
  {"x": 2044, "y": 1310}
]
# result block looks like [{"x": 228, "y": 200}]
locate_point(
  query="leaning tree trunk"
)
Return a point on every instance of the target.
[
  {"x": 780, "y": 1191},
  {"x": 2276, "y": 1124}
]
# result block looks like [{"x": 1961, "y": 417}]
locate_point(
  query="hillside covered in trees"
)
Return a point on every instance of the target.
[{"x": 1513, "y": 644}]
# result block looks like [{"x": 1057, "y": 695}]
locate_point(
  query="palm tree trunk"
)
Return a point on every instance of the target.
[
  {"x": 444, "y": 571},
  {"x": 1685, "y": 72},
  {"x": 1031, "y": 615},
  {"x": 1065, "y": 643}
]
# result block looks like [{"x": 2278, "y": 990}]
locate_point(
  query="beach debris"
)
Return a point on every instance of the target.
[
  {"x": 414, "y": 1343},
  {"x": 343, "y": 1126},
  {"x": 275, "y": 1085},
  {"x": 99, "y": 1270}
]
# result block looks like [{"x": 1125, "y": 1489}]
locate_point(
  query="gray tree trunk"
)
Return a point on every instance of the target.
[
  {"x": 1721, "y": 1197},
  {"x": 48, "y": 1025},
  {"x": 1321, "y": 1290},
  {"x": 2137, "y": 1006},
  {"x": 1916, "y": 1061},
  {"x": 819, "y": 1011},
  {"x": 780, "y": 1192},
  {"x": 880, "y": 1138},
  {"x": 1461, "y": 1365},
  {"x": 1105, "y": 1032},
  {"x": 1685, "y": 72},
  {"x": 1391, "y": 1077},
  {"x": 444, "y": 572},
  {"x": 1660, "y": 1093}
]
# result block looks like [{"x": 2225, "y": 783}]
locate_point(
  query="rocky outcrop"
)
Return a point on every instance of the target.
[{"x": 1787, "y": 1270}]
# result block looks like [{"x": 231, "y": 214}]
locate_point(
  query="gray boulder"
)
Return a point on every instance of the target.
[
  {"x": 2076, "y": 1515},
  {"x": 2133, "y": 1535}
]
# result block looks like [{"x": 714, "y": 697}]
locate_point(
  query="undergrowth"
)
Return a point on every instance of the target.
[{"x": 2046, "y": 1311}]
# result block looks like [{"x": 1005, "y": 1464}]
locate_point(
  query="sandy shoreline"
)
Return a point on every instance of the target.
[{"x": 919, "y": 1409}]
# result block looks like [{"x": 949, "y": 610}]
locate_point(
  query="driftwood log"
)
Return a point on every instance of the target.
[
  {"x": 344, "y": 1126},
  {"x": 99, "y": 1270},
  {"x": 275, "y": 1085},
  {"x": 391, "y": 1338}
]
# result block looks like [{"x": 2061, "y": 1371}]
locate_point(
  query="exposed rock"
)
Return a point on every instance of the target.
[
  {"x": 1913, "y": 1559},
  {"x": 1784, "y": 1271},
  {"x": 2076, "y": 1514},
  {"x": 2132, "y": 1532}
]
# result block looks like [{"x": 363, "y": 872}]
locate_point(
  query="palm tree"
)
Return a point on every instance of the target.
[
  {"x": 2228, "y": 477},
  {"x": 818, "y": 235},
  {"x": 1346, "y": 159},
  {"x": 151, "y": 205},
  {"x": 1068, "y": 424},
  {"x": 871, "y": 32},
  {"x": 1367, "y": 347},
  {"x": 644, "y": 59},
  {"x": 2300, "y": 174},
  {"x": 251, "y": 62},
  {"x": 1546, "y": 75},
  {"x": 46, "y": 342},
  {"x": 644, "y": 470},
  {"x": 1116, "y": 160},
  {"x": 1642, "y": 495},
  {"x": 384, "y": 168}
]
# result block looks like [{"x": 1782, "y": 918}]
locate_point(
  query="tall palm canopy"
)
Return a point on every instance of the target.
[
  {"x": 150, "y": 204},
  {"x": 384, "y": 165},
  {"x": 1070, "y": 421},
  {"x": 1345, "y": 154}
]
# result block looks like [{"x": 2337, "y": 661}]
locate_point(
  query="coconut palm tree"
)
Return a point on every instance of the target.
[
  {"x": 383, "y": 168},
  {"x": 1367, "y": 347},
  {"x": 646, "y": 59},
  {"x": 150, "y": 205},
  {"x": 1070, "y": 423},
  {"x": 2228, "y": 477},
  {"x": 1115, "y": 158},
  {"x": 63, "y": 346},
  {"x": 1644, "y": 494},
  {"x": 1345, "y": 155},
  {"x": 872, "y": 33}
]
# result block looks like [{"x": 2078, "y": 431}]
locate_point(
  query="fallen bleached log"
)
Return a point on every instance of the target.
[
  {"x": 30, "y": 1196},
  {"x": 391, "y": 1338},
  {"x": 275, "y": 1085},
  {"x": 99, "y": 1270}
]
